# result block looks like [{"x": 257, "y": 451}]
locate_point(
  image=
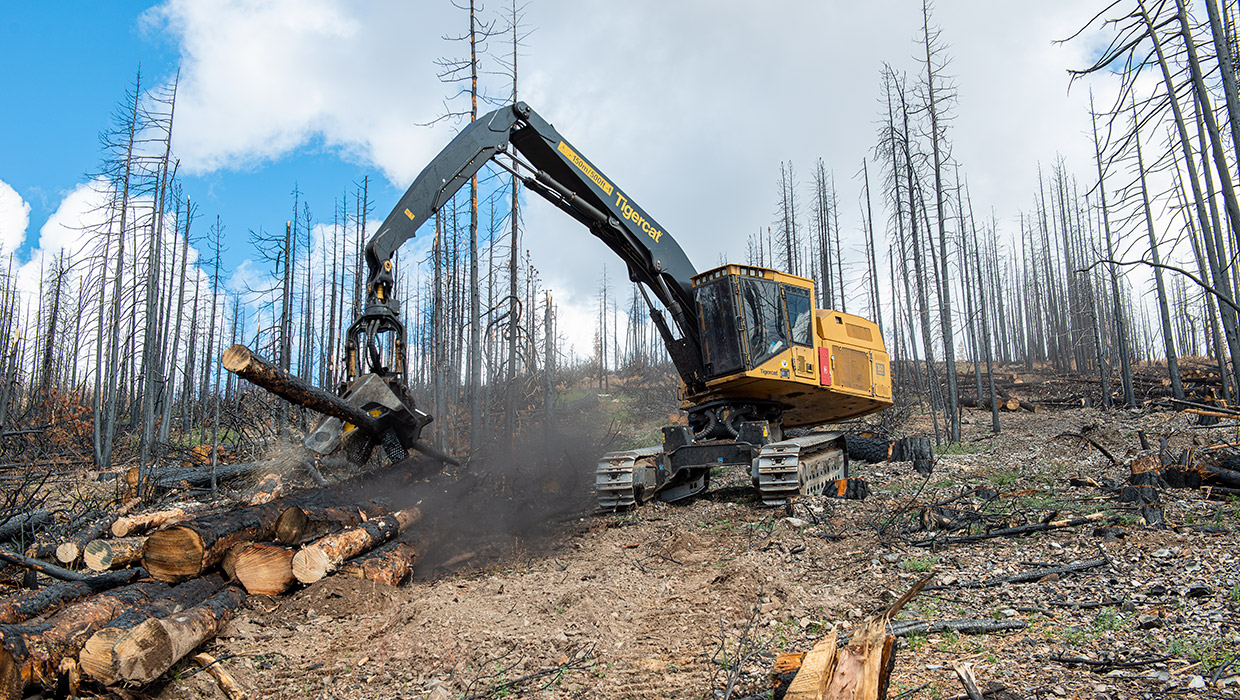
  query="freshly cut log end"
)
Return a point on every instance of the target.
[
  {"x": 311, "y": 564},
  {"x": 155, "y": 645},
  {"x": 236, "y": 358},
  {"x": 67, "y": 552},
  {"x": 96, "y": 656},
  {"x": 105, "y": 555},
  {"x": 264, "y": 569},
  {"x": 175, "y": 554},
  {"x": 323, "y": 557}
]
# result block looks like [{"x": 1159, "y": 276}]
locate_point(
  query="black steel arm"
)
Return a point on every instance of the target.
[{"x": 567, "y": 179}]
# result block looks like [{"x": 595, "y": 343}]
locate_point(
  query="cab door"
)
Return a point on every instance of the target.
[{"x": 800, "y": 315}]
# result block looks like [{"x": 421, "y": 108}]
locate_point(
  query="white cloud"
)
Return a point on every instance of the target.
[
  {"x": 14, "y": 218},
  {"x": 69, "y": 228},
  {"x": 688, "y": 106}
]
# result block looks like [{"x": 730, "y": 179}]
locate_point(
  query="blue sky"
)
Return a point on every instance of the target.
[
  {"x": 89, "y": 55},
  {"x": 692, "y": 123}
]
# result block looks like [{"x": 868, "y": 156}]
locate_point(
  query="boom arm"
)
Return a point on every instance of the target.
[{"x": 565, "y": 178}]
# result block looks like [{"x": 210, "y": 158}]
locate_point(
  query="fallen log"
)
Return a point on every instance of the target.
[
  {"x": 179, "y": 477},
  {"x": 300, "y": 524},
  {"x": 30, "y": 654},
  {"x": 155, "y": 645},
  {"x": 263, "y": 568},
  {"x": 24, "y": 523},
  {"x": 390, "y": 564},
  {"x": 326, "y": 555},
  {"x": 1027, "y": 576},
  {"x": 1201, "y": 474},
  {"x": 98, "y": 659},
  {"x": 268, "y": 489},
  {"x": 905, "y": 628},
  {"x": 1013, "y": 531},
  {"x": 105, "y": 555},
  {"x": 41, "y": 566},
  {"x": 24, "y": 606},
  {"x": 225, "y": 680},
  {"x": 136, "y": 524},
  {"x": 186, "y": 550}
]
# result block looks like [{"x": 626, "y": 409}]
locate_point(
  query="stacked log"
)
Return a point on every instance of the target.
[
  {"x": 137, "y": 524},
  {"x": 71, "y": 549},
  {"x": 268, "y": 489},
  {"x": 30, "y": 604},
  {"x": 263, "y": 568},
  {"x": 390, "y": 564},
  {"x": 326, "y": 555},
  {"x": 109, "y": 629},
  {"x": 303, "y": 523},
  {"x": 184, "y": 551},
  {"x": 31, "y": 653},
  {"x": 155, "y": 645},
  {"x": 98, "y": 659},
  {"x": 106, "y": 555}
]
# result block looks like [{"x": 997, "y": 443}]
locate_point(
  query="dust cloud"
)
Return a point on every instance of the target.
[{"x": 503, "y": 504}]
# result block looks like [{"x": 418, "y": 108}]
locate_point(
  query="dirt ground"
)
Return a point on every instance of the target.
[{"x": 696, "y": 600}]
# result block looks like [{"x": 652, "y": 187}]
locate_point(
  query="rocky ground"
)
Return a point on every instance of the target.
[{"x": 697, "y": 600}]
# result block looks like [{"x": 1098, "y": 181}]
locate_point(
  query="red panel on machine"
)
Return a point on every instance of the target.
[{"x": 824, "y": 366}]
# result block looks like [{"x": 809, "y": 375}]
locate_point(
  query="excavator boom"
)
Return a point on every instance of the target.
[{"x": 558, "y": 172}]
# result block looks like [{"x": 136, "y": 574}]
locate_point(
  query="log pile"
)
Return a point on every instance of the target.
[{"x": 154, "y": 598}]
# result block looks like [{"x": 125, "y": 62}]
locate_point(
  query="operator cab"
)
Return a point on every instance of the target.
[{"x": 750, "y": 315}]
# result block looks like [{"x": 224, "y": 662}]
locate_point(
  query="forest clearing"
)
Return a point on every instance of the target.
[
  {"x": 700, "y": 599},
  {"x": 973, "y": 434}
]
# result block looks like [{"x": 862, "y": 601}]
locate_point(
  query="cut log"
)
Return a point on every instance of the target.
[
  {"x": 300, "y": 524},
  {"x": 27, "y": 523},
  {"x": 71, "y": 549},
  {"x": 201, "y": 476},
  {"x": 227, "y": 683},
  {"x": 137, "y": 524},
  {"x": 268, "y": 489},
  {"x": 155, "y": 645},
  {"x": 263, "y": 568},
  {"x": 30, "y": 654},
  {"x": 186, "y": 550},
  {"x": 25, "y": 606},
  {"x": 390, "y": 564},
  {"x": 105, "y": 555},
  {"x": 326, "y": 555},
  {"x": 98, "y": 659}
]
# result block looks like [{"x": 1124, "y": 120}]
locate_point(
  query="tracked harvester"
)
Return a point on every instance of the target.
[{"x": 754, "y": 355}]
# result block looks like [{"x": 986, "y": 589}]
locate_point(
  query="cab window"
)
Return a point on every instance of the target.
[
  {"x": 766, "y": 330},
  {"x": 800, "y": 315}
]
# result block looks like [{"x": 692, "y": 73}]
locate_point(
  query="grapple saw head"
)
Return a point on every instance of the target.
[{"x": 397, "y": 422}]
